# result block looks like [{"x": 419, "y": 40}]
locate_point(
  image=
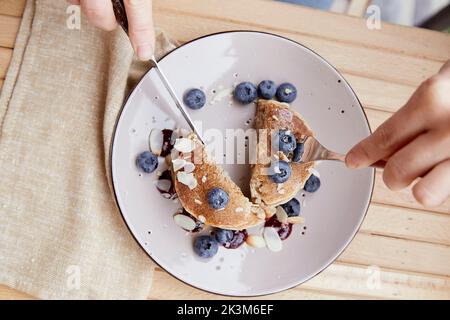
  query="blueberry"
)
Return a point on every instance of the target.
[
  {"x": 292, "y": 208},
  {"x": 147, "y": 162},
  {"x": 267, "y": 89},
  {"x": 224, "y": 236},
  {"x": 298, "y": 152},
  {"x": 218, "y": 198},
  {"x": 239, "y": 237},
  {"x": 195, "y": 99},
  {"x": 245, "y": 93},
  {"x": 280, "y": 171},
  {"x": 206, "y": 246},
  {"x": 312, "y": 184},
  {"x": 286, "y": 141},
  {"x": 286, "y": 92}
]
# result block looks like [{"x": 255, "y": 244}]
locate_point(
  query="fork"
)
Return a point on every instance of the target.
[{"x": 315, "y": 151}]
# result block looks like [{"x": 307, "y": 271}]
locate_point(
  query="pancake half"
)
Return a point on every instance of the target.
[
  {"x": 238, "y": 214},
  {"x": 274, "y": 116}
]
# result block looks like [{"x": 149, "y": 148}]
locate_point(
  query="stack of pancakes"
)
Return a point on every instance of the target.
[{"x": 241, "y": 212}]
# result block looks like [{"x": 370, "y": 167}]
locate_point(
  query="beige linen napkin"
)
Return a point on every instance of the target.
[{"x": 61, "y": 235}]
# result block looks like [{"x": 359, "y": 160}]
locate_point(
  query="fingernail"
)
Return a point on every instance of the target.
[
  {"x": 144, "y": 51},
  {"x": 354, "y": 160}
]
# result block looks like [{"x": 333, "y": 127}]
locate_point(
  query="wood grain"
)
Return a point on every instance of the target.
[
  {"x": 287, "y": 18},
  {"x": 12, "y": 7},
  {"x": 408, "y": 244},
  {"x": 5, "y": 58},
  {"x": 390, "y": 67},
  {"x": 9, "y": 26}
]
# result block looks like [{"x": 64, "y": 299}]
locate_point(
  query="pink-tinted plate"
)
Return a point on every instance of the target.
[{"x": 216, "y": 63}]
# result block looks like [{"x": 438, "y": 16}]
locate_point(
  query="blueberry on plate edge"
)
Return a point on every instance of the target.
[
  {"x": 147, "y": 162},
  {"x": 267, "y": 89},
  {"x": 245, "y": 92},
  {"x": 312, "y": 184},
  {"x": 292, "y": 207},
  {"x": 195, "y": 99},
  {"x": 286, "y": 92},
  {"x": 223, "y": 236},
  {"x": 205, "y": 246}
]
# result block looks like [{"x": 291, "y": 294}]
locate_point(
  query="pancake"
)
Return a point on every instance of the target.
[
  {"x": 273, "y": 116},
  {"x": 193, "y": 182}
]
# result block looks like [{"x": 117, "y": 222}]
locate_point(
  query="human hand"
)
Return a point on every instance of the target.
[
  {"x": 415, "y": 142},
  {"x": 140, "y": 21}
]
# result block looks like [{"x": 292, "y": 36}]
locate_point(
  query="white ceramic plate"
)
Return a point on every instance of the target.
[{"x": 215, "y": 63}]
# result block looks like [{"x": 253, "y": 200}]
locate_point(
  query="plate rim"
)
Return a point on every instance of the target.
[{"x": 114, "y": 134}]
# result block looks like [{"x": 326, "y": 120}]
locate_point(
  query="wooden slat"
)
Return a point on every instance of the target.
[
  {"x": 5, "y": 59},
  {"x": 398, "y": 254},
  {"x": 167, "y": 287},
  {"x": 356, "y": 280},
  {"x": 402, "y": 198},
  {"x": 338, "y": 281},
  {"x": 357, "y": 8},
  {"x": 376, "y": 117},
  {"x": 9, "y": 26},
  {"x": 351, "y": 59},
  {"x": 12, "y": 7},
  {"x": 285, "y": 17},
  {"x": 378, "y": 94},
  {"x": 417, "y": 225}
]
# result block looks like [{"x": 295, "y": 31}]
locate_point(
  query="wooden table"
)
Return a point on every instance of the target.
[{"x": 409, "y": 245}]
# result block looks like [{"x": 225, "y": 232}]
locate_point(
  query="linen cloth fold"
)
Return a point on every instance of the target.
[{"x": 61, "y": 235}]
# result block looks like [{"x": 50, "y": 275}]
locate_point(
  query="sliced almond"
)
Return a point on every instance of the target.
[
  {"x": 163, "y": 185},
  {"x": 189, "y": 167},
  {"x": 202, "y": 219},
  {"x": 238, "y": 210},
  {"x": 282, "y": 215},
  {"x": 280, "y": 186},
  {"x": 185, "y": 222},
  {"x": 296, "y": 220},
  {"x": 178, "y": 164},
  {"x": 281, "y": 191},
  {"x": 273, "y": 241},
  {"x": 204, "y": 179},
  {"x": 187, "y": 179},
  {"x": 198, "y": 201},
  {"x": 274, "y": 117},
  {"x": 156, "y": 141},
  {"x": 255, "y": 241},
  {"x": 184, "y": 145}
]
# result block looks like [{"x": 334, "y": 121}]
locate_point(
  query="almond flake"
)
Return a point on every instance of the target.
[
  {"x": 255, "y": 241},
  {"x": 184, "y": 145},
  {"x": 282, "y": 215},
  {"x": 274, "y": 117},
  {"x": 237, "y": 210},
  {"x": 282, "y": 191},
  {"x": 280, "y": 186},
  {"x": 273, "y": 241},
  {"x": 187, "y": 179},
  {"x": 198, "y": 201},
  {"x": 189, "y": 167},
  {"x": 296, "y": 220},
  {"x": 156, "y": 141},
  {"x": 203, "y": 179},
  {"x": 163, "y": 185},
  {"x": 202, "y": 219},
  {"x": 178, "y": 164},
  {"x": 185, "y": 222}
]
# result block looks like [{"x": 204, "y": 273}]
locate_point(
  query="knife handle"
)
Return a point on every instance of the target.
[{"x": 121, "y": 14}]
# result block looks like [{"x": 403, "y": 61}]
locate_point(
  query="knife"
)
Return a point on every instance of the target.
[{"x": 121, "y": 16}]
